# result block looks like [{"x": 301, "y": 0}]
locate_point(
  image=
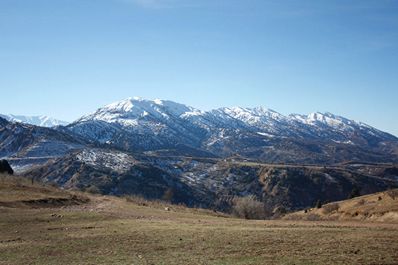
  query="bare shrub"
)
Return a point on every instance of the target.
[
  {"x": 136, "y": 200},
  {"x": 93, "y": 190},
  {"x": 392, "y": 193},
  {"x": 53, "y": 184},
  {"x": 293, "y": 217},
  {"x": 313, "y": 217},
  {"x": 168, "y": 195},
  {"x": 141, "y": 201},
  {"x": 361, "y": 202},
  {"x": 331, "y": 207},
  {"x": 248, "y": 207}
]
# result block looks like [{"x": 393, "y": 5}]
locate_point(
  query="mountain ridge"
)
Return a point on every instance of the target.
[
  {"x": 40, "y": 120},
  {"x": 206, "y": 158},
  {"x": 254, "y": 133}
]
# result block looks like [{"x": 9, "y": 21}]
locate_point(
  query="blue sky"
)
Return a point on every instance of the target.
[{"x": 65, "y": 58}]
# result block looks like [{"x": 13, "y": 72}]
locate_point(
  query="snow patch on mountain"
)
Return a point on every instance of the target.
[{"x": 116, "y": 161}]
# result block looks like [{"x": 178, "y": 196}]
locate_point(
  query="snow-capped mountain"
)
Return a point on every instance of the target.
[
  {"x": 147, "y": 147},
  {"x": 137, "y": 124},
  {"x": 43, "y": 121}
]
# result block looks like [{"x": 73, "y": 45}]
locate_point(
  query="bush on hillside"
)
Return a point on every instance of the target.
[
  {"x": 168, "y": 195},
  {"x": 392, "y": 193},
  {"x": 361, "y": 202},
  {"x": 248, "y": 208},
  {"x": 331, "y": 207}
]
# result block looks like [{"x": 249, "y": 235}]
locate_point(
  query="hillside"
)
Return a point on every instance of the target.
[
  {"x": 378, "y": 207},
  {"x": 110, "y": 230},
  {"x": 210, "y": 182}
]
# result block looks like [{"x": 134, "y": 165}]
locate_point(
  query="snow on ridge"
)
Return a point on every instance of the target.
[
  {"x": 42, "y": 120},
  {"x": 158, "y": 101},
  {"x": 137, "y": 108},
  {"x": 327, "y": 118},
  {"x": 262, "y": 118}
]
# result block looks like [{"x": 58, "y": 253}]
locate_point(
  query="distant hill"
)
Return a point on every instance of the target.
[
  {"x": 379, "y": 207},
  {"x": 43, "y": 121}
]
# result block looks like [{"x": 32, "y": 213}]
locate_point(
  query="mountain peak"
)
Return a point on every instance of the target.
[
  {"x": 123, "y": 105},
  {"x": 133, "y": 108}
]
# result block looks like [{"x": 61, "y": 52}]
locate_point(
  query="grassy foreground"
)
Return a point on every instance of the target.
[{"x": 109, "y": 230}]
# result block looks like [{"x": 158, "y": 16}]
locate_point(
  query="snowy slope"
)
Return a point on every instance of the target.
[
  {"x": 43, "y": 121},
  {"x": 137, "y": 124}
]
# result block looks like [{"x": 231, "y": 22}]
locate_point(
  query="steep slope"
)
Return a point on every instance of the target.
[
  {"x": 135, "y": 124},
  {"x": 26, "y": 145},
  {"x": 206, "y": 182},
  {"x": 43, "y": 121},
  {"x": 117, "y": 173}
]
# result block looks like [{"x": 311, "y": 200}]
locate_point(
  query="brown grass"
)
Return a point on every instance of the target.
[
  {"x": 330, "y": 208},
  {"x": 110, "y": 230},
  {"x": 378, "y": 207}
]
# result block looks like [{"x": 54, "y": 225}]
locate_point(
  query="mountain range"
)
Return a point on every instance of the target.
[
  {"x": 253, "y": 133},
  {"x": 205, "y": 158},
  {"x": 42, "y": 120}
]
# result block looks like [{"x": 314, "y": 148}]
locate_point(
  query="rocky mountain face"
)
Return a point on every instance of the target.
[
  {"x": 258, "y": 134},
  {"x": 27, "y": 145},
  {"x": 162, "y": 149},
  {"x": 208, "y": 182}
]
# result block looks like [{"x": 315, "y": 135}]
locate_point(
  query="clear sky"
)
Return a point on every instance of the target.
[{"x": 65, "y": 58}]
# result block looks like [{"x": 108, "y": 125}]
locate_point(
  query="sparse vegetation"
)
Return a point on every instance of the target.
[
  {"x": 111, "y": 230},
  {"x": 378, "y": 207},
  {"x": 329, "y": 208},
  {"x": 248, "y": 208},
  {"x": 93, "y": 190},
  {"x": 313, "y": 217},
  {"x": 362, "y": 201},
  {"x": 392, "y": 193},
  {"x": 168, "y": 195}
]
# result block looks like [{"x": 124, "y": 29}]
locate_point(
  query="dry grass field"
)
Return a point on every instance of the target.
[
  {"x": 378, "y": 207},
  {"x": 44, "y": 225}
]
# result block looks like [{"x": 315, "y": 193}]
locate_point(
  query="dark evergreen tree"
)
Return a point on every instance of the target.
[
  {"x": 354, "y": 193},
  {"x": 5, "y": 167}
]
